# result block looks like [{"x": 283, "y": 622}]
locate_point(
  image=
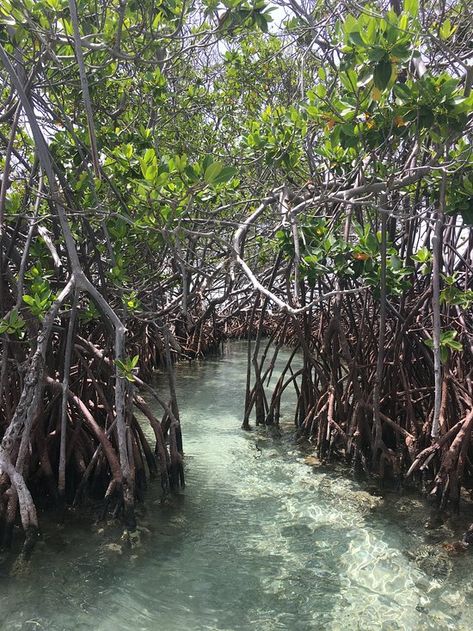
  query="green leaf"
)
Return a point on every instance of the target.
[
  {"x": 402, "y": 91},
  {"x": 191, "y": 173},
  {"x": 464, "y": 104},
  {"x": 401, "y": 51},
  {"x": 355, "y": 38},
  {"x": 396, "y": 262},
  {"x": 403, "y": 22},
  {"x": 207, "y": 162},
  {"x": 313, "y": 111},
  {"x": 180, "y": 162},
  {"x": 411, "y": 7},
  {"x": 392, "y": 33},
  {"x": 212, "y": 171},
  {"x": 372, "y": 243},
  {"x": 162, "y": 179},
  {"x": 350, "y": 24},
  {"x": 468, "y": 185},
  {"x": 382, "y": 74},
  {"x": 13, "y": 325},
  {"x": 261, "y": 22},
  {"x": 376, "y": 53},
  {"x": 369, "y": 34},
  {"x": 128, "y": 150},
  {"x": 422, "y": 255},
  {"x": 320, "y": 91},
  {"x": 349, "y": 79},
  {"x": 151, "y": 173},
  {"x": 443, "y": 354},
  {"x": 225, "y": 175},
  {"x": 121, "y": 365},
  {"x": 29, "y": 300},
  {"x": 149, "y": 156},
  {"x": 448, "y": 338},
  {"x": 446, "y": 29}
]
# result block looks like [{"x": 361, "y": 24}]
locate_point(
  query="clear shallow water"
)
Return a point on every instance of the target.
[{"x": 258, "y": 540}]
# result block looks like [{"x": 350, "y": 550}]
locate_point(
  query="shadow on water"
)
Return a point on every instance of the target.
[{"x": 257, "y": 540}]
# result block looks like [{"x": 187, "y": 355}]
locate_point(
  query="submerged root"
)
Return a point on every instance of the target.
[
  {"x": 95, "y": 465},
  {"x": 333, "y": 381}
]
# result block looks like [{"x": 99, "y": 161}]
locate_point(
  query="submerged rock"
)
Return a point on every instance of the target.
[
  {"x": 312, "y": 460},
  {"x": 433, "y": 560},
  {"x": 367, "y": 501},
  {"x": 116, "y": 548}
]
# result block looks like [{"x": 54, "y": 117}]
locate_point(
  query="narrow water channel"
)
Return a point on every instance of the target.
[{"x": 258, "y": 540}]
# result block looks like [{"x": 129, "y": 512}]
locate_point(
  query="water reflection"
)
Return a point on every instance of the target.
[{"x": 258, "y": 540}]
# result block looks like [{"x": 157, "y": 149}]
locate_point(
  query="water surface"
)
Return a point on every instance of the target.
[{"x": 258, "y": 540}]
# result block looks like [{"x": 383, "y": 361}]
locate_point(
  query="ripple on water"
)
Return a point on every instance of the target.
[{"x": 258, "y": 540}]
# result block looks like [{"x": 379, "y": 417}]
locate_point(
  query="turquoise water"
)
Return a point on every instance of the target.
[{"x": 257, "y": 540}]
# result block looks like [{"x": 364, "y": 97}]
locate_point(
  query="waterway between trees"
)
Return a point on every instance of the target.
[{"x": 258, "y": 540}]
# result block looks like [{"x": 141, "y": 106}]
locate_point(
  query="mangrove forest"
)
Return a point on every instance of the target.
[{"x": 236, "y": 314}]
